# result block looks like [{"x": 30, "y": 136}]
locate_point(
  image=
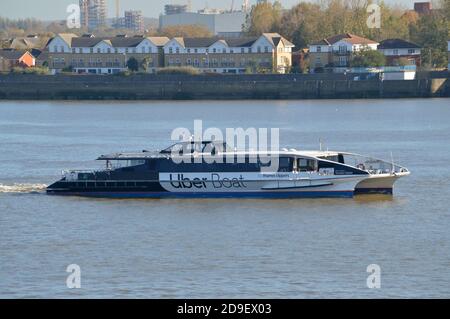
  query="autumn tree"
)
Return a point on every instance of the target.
[
  {"x": 263, "y": 17},
  {"x": 187, "y": 31}
]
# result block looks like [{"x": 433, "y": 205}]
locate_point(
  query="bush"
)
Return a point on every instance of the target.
[
  {"x": 123, "y": 73},
  {"x": 183, "y": 70},
  {"x": 34, "y": 70}
]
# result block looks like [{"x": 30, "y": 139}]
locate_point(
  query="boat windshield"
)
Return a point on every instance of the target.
[{"x": 373, "y": 165}]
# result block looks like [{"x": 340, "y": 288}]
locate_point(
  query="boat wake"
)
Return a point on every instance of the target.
[{"x": 23, "y": 188}]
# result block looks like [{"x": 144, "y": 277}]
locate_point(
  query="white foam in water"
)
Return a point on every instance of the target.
[{"x": 22, "y": 188}]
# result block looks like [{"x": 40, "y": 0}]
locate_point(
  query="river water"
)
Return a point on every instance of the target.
[{"x": 305, "y": 248}]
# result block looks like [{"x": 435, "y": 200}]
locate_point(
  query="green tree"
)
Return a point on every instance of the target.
[
  {"x": 368, "y": 58},
  {"x": 133, "y": 64},
  {"x": 432, "y": 34}
]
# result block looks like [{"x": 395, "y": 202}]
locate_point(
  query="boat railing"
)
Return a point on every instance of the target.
[{"x": 372, "y": 165}]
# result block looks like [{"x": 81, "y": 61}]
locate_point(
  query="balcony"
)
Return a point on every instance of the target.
[{"x": 341, "y": 52}]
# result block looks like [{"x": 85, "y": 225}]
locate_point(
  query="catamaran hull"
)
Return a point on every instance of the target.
[
  {"x": 377, "y": 185},
  {"x": 259, "y": 195},
  {"x": 188, "y": 186}
]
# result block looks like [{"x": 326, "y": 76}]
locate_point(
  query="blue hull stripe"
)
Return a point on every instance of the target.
[{"x": 318, "y": 194}]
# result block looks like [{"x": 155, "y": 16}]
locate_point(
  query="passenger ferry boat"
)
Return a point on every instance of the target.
[{"x": 159, "y": 174}]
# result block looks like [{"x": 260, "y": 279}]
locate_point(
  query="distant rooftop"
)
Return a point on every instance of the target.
[
  {"x": 347, "y": 37},
  {"x": 397, "y": 44}
]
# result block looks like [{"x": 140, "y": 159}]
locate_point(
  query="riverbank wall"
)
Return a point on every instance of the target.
[{"x": 213, "y": 87}]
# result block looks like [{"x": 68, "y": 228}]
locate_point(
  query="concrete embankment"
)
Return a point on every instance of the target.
[{"x": 202, "y": 87}]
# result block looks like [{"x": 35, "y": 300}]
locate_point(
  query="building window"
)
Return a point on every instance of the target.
[
  {"x": 188, "y": 50},
  {"x": 196, "y": 50},
  {"x": 170, "y": 50},
  {"x": 396, "y": 51},
  {"x": 91, "y": 50},
  {"x": 319, "y": 49},
  {"x": 73, "y": 50},
  {"x": 249, "y": 50},
  {"x": 62, "y": 49},
  {"x": 116, "y": 50},
  {"x": 99, "y": 50},
  {"x": 266, "y": 49},
  {"x": 231, "y": 51},
  {"x": 214, "y": 51},
  {"x": 177, "y": 50},
  {"x": 411, "y": 51},
  {"x": 242, "y": 50},
  {"x": 108, "y": 50},
  {"x": 259, "y": 49}
]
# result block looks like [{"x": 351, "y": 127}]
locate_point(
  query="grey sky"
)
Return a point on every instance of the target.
[{"x": 56, "y": 9}]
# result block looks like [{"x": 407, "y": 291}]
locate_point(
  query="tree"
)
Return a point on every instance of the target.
[
  {"x": 368, "y": 58},
  {"x": 145, "y": 63},
  {"x": 432, "y": 35},
  {"x": 133, "y": 64},
  {"x": 302, "y": 24},
  {"x": 263, "y": 17},
  {"x": 187, "y": 31}
]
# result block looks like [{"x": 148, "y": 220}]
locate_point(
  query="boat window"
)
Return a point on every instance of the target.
[
  {"x": 136, "y": 162},
  {"x": 307, "y": 165},
  {"x": 334, "y": 158},
  {"x": 285, "y": 164}
]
